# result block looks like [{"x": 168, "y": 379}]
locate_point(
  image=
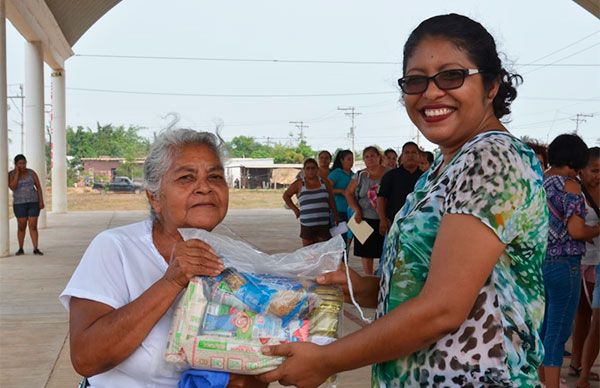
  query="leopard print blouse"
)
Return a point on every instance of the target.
[{"x": 496, "y": 178}]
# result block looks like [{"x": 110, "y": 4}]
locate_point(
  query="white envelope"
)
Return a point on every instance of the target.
[
  {"x": 342, "y": 227},
  {"x": 361, "y": 231}
]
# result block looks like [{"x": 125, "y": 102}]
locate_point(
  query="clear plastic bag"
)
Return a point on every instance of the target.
[{"x": 222, "y": 322}]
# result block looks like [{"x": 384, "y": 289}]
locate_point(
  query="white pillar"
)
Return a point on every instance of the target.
[
  {"x": 59, "y": 143},
  {"x": 35, "y": 140},
  {"x": 4, "y": 239}
]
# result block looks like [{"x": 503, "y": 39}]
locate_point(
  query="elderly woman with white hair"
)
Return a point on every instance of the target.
[{"x": 121, "y": 296}]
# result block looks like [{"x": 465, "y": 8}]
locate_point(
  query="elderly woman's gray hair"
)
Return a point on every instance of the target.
[{"x": 161, "y": 153}]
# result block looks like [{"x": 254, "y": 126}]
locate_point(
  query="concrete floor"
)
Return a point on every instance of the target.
[{"x": 34, "y": 350}]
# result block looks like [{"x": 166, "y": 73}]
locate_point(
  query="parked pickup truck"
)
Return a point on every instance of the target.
[{"x": 120, "y": 184}]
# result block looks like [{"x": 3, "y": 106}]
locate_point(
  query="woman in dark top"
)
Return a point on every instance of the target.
[{"x": 27, "y": 202}]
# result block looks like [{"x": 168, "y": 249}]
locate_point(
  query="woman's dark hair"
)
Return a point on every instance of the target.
[
  {"x": 337, "y": 162},
  {"x": 386, "y": 152},
  {"x": 478, "y": 44},
  {"x": 541, "y": 150},
  {"x": 20, "y": 157},
  {"x": 309, "y": 161},
  {"x": 324, "y": 152},
  {"x": 594, "y": 153},
  {"x": 568, "y": 150},
  {"x": 429, "y": 156}
]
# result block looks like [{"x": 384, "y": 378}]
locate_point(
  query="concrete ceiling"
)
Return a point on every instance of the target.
[
  {"x": 592, "y": 6},
  {"x": 76, "y": 17}
]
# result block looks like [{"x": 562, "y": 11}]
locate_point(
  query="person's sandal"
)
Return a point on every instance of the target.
[
  {"x": 38, "y": 252},
  {"x": 573, "y": 371},
  {"x": 20, "y": 252}
]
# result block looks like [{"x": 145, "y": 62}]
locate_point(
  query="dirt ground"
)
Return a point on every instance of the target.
[{"x": 87, "y": 199}]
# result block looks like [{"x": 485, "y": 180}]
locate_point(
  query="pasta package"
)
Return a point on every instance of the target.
[{"x": 221, "y": 323}]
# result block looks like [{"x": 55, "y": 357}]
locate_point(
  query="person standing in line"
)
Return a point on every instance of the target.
[
  {"x": 315, "y": 198},
  {"x": 426, "y": 160},
  {"x": 396, "y": 184},
  {"x": 324, "y": 158},
  {"x": 28, "y": 201},
  {"x": 567, "y": 154},
  {"x": 390, "y": 158},
  {"x": 583, "y": 330},
  {"x": 340, "y": 176},
  {"x": 361, "y": 195}
]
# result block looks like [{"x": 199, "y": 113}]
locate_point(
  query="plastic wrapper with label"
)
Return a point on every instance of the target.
[{"x": 222, "y": 322}]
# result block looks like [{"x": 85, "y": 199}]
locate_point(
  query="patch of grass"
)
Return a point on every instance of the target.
[{"x": 86, "y": 199}]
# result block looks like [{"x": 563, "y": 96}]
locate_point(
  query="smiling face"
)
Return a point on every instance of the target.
[
  {"x": 193, "y": 192},
  {"x": 449, "y": 118}
]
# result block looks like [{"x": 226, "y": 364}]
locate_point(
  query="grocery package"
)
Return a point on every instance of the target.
[{"x": 222, "y": 322}]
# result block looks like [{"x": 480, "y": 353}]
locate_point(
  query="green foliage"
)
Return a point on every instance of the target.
[
  {"x": 130, "y": 169},
  {"x": 248, "y": 147},
  {"x": 107, "y": 140}
]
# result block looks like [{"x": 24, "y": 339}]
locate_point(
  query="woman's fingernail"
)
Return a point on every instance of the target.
[
  {"x": 265, "y": 350},
  {"x": 320, "y": 279}
]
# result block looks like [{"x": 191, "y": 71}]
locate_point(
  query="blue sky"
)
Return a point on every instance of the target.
[{"x": 557, "y": 32}]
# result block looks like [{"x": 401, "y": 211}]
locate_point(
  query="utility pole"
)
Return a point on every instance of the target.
[
  {"x": 301, "y": 126},
  {"x": 578, "y": 119},
  {"x": 351, "y": 112},
  {"x": 22, "y": 98}
]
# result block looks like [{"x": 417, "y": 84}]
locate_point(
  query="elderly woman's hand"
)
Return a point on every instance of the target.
[{"x": 192, "y": 258}]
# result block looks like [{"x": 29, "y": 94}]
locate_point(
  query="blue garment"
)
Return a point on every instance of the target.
[
  {"x": 562, "y": 279},
  {"x": 340, "y": 180},
  {"x": 193, "y": 378}
]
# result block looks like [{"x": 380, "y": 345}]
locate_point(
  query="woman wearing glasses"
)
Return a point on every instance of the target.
[{"x": 460, "y": 301}]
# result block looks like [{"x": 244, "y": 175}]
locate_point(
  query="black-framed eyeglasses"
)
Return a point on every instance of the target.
[{"x": 444, "y": 80}]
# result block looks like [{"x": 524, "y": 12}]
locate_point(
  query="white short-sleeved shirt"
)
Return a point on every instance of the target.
[
  {"x": 118, "y": 266},
  {"x": 592, "y": 251}
]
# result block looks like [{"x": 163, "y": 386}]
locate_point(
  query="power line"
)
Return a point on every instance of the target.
[
  {"x": 303, "y": 61},
  {"x": 182, "y": 94},
  {"x": 565, "y": 47},
  {"x": 568, "y": 56},
  {"x": 351, "y": 112},
  {"x": 228, "y": 95},
  {"x": 301, "y": 126}
]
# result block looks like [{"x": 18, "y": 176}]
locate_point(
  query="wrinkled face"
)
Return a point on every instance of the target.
[
  {"x": 324, "y": 160},
  {"x": 348, "y": 162},
  {"x": 311, "y": 170},
  {"x": 448, "y": 118},
  {"x": 410, "y": 157},
  {"x": 21, "y": 165},
  {"x": 371, "y": 158},
  {"x": 590, "y": 175},
  {"x": 391, "y": 160},
  {"x": 193, "y": 193}
]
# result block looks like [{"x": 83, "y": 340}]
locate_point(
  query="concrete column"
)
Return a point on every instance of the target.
[
  {"x": 59, "y": 143},
  {"x": 35, "y": 140},
  {"x": 4, "y": 239}
]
